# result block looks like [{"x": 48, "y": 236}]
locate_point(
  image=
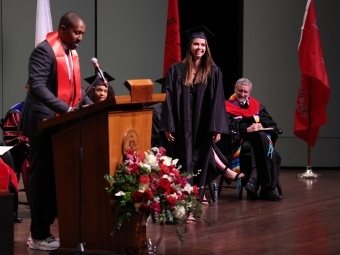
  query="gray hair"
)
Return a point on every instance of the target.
[{"x": 244, "y": 81}]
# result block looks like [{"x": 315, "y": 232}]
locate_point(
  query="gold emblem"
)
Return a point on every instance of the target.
[{"x": 130, "y": 141}]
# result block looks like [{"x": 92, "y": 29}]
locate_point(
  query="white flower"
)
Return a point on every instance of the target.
[
  {"x": 165, "y": 176},
  {"x": 150, "y": 158},
  {"x": 188, "y": 188},
  {"x": 179, "y": 211},
  {"x": 166, "y": 160},
  {"x": 120, "y": 193},
  {"x": 174, "y": 162},
  {"x": 155, "y": 150},
  {"x": 145, "y": 166}
]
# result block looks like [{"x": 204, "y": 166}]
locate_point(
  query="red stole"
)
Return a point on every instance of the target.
[
  {"x": 253, "y": 108},
  {"x": 8, "y": 177},
  {"x": 66, "y": 92}
]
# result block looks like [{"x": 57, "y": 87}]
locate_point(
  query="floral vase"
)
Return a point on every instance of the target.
[{"x": 154, "y": 234}]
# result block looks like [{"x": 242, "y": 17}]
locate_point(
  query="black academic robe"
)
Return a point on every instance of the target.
[
  {"x": 193, "y": 119},
  {"x": 255, "y": 146},
  {"x": 241, "y": 124}
]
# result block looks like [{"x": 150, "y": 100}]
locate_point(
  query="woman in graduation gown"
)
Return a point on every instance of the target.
[{"x": 193, "y": 113}]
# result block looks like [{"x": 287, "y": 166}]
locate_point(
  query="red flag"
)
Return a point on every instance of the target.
[
  {"x": 314, "y": 82},
  {"x": 172, "y": 51}
]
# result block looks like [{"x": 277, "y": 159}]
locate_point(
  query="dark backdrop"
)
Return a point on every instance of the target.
[{"x": 225, "y": 20}]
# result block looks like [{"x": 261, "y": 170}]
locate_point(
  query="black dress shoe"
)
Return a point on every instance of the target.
[
  {"x": 252, "y": 195},
  {"x": 251, "y": 185},
  {"x": 17, "y": 219},
  {"x": 269, "y": 195}
]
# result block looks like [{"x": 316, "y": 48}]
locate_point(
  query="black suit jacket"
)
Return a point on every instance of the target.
[{"x": 41, "y": 100}]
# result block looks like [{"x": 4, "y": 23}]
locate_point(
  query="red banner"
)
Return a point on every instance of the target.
[
  {"x": 314, "y": 88},
  {"x": 172, "y": 51}
]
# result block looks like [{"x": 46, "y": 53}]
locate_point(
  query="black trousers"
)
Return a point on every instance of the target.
[
  {"x": 254, "y": 155},
  {"x": 42, "y": 193}
]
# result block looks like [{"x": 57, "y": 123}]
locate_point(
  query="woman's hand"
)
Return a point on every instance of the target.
[
  {"x": 169, "y": 136},
  {"x": 216, "y": 137}
]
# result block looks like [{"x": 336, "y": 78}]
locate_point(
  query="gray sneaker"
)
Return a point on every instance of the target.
[
  {"x": 29, "y": 239},
  {"x": 49, "y": 244}
]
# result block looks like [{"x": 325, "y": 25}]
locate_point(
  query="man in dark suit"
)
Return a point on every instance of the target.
[{"x": 54, "y": 89}]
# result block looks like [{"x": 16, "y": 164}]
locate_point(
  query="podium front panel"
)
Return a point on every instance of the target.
[{"x": 101, "y": 140}]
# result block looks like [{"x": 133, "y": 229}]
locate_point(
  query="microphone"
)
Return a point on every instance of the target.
[{"x": 99, "y": 72}]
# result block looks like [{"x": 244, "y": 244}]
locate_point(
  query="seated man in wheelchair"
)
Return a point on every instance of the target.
[{"x": 255, "y": 133}]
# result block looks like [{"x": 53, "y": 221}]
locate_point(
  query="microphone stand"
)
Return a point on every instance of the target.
[{"x": 80, "y": 250}]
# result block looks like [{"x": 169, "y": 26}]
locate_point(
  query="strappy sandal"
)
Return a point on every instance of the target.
[
  {"x": 204, "y": 201},
  {"x": 191, "y": 218},
  {"x": 227, "y": 180}
]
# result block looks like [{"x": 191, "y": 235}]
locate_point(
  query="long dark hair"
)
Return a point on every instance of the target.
[{"x": 204, "y": 69}]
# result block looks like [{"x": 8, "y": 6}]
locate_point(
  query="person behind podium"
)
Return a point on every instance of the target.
[
  {"x": 191, "y": 113},
  {"x": 54, "y": 89},
  {"x": 97, "y": 91},
  {"x": 248, "y": 117}
]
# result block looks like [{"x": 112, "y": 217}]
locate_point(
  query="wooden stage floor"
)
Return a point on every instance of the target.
[{"x": 306, "y": 221}]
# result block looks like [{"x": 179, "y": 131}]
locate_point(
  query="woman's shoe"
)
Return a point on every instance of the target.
[
  {"x": 191, "y": 218},
  {"x": 204, "y": 201},
  {"x": 238, "y": 176}
]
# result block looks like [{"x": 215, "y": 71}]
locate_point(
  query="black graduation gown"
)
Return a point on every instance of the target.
[
  {"x": 193, "y": 124},
  {"x": 254, "y": 150}
]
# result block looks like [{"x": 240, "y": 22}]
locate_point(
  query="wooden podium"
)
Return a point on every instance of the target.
[{"x": 107, "y": 129}]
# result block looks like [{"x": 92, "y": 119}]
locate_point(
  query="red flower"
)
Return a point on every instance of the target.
[
  {"x": 141, "y": 156},
  {"x": 195, "y": 190},
  {"x": 180, "y": 197},
  {"x": 183, "y": 181},
  {"x": 174, "y": 172},
  {"x": 137, "y": 197},
  {"x": 153, "y": 185},
  {"x": 171, "y": 201},
  {"x": 147, "y": 195},
  {"x": 172, "y": 190},
  {"x": 164, "y": 184},
  {"x": 153, "y": 176},
  {"x": 165, "y": 169},
  {"x": 144, "y": 179},
  {"x": 162, "y": 150},
  {"x": 155, "y": 207},
  {"x": 130, "y": 155},
  {"x": 133, "y": 168},
  {"x": 143, "y": 208}
]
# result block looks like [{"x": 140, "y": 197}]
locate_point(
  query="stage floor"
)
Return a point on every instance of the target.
[{"x": 306, "y": 221}]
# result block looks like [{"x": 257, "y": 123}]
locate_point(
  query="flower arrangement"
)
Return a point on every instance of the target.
[{"x": 152, "y": 184}]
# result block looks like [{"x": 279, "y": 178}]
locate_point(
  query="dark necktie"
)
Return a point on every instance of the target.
[{"x": 244, "y": 105}]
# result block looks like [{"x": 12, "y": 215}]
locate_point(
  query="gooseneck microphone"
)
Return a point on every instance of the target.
[{"x": 99, "y": 72}]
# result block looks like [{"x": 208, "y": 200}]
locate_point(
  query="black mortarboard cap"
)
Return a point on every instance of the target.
[
  {"x": 197, "y": 32},
  {"x": 96, "y": 81},
  {"x": 161, "y": 81}
]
